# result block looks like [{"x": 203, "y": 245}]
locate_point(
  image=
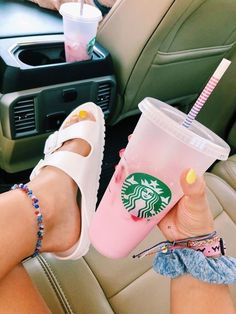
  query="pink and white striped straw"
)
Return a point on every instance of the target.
[
  {"x": 81, "y": 7},
  {"x": 214, "y": 80}
]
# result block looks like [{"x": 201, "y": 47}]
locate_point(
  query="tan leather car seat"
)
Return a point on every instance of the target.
[
  {"x": 168, "y": 50},
  {"x": 227, "y": 170},
  {"x": 98, "y": 285}
]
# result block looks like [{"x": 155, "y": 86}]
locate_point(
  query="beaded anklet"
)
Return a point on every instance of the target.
[{"x": 38, "y": 213}]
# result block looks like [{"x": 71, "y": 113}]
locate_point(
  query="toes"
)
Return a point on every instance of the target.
[
  {"x": 81, "y": 115},
  {"x": 79, "y": 145}
]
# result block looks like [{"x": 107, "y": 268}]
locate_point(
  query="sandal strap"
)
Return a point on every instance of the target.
[
  {"x": 84, "y": 130},
  {"x": 74, "y": 161},
  {"x": 84, "y": 170}
]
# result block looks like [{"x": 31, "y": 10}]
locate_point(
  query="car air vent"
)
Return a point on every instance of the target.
[
  {"x": 104, "y": 96},
  {"x": 24, "y": 117}
]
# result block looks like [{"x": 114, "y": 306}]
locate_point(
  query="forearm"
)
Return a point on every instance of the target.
[
  {"x": 107, "y": 3},
  {"x": 189, "y": 295},
  {"x": 55, "y": 4}
]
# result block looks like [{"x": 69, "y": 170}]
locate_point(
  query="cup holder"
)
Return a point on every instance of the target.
[
  {"x": 40, "y": 54},
  {"x": 37, "y": 61},
  {"x": 33, "y": 58}
]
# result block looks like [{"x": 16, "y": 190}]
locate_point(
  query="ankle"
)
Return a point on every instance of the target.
[
  {"x": 37, "y": 212},
  {"x": 57, "y": 196}
]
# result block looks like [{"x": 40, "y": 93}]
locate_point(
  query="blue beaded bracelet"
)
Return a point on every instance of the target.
[{"x": 38, "y": 213}]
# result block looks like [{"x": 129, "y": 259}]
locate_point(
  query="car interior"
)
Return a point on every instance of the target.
[{"x": 165, "y": 49}]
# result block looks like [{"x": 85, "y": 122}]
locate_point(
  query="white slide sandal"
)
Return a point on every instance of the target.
[{"x": 85, "y": 171}]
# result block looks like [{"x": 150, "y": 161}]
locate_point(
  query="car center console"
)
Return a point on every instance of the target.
[{"x": 38, "y": 88}]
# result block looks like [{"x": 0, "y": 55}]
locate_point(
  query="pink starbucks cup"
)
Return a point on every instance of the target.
[{"x": 145, "y": 185}]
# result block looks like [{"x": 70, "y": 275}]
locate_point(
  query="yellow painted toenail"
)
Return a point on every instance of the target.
[
  {"x": 191, "y": 176},
  {"x": 83, "y": 114}
]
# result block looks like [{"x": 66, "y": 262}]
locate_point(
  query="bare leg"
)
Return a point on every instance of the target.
[
  {"x": 18, "y": 223},
  {"x": 57, "y": 196},
  {"x": 189, "y": 295},
  {"x": 19, "y": 296}
]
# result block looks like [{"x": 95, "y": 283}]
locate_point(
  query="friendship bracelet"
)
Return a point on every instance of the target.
[
  {"x": 191, "y": 256},
  {"x": 37, "y": 212},
  {"x": 210, "y": 245},
  {"x": 213, "y": 247}
]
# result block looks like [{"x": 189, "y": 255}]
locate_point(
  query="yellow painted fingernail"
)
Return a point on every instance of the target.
[
  {"x": 191, "y": 176},
  {"x": 83, "y": 114}
]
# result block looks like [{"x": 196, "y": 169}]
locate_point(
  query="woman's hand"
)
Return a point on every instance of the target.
[
  {"x": 53, "y": 4},
  {"x": 48, "y": 4},
  {"x": 191, "y": 216}
]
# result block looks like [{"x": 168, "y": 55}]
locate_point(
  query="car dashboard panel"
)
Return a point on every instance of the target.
[{"x": 38, "y": 88}]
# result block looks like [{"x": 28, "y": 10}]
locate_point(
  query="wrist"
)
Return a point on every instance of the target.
[
  {"x": 194, "y": 232},
  {"x": 210, "y": 245},
  {"x": 174, "y": 232},
  {"x": 185, "y": 261}
]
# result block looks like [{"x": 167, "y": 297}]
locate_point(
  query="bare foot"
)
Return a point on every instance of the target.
[{"x": 57, "y": 194}]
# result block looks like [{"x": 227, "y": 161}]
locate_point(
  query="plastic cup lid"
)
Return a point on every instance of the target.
[
  {"x": 71, "y": 10},
  {"x": 197, "y": 136}
]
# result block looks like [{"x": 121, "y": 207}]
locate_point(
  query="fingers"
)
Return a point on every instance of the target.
[
  {"x": 192, "y": 184},
  {"x": 122, "y": 150},
  {"x": 196, "y": 216},
  {"x": 194, "y": 189}
]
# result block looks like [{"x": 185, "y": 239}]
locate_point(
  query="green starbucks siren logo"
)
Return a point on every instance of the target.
[
  {"x": 144, "y": 196},
  {"x": 90, "y": 46}
]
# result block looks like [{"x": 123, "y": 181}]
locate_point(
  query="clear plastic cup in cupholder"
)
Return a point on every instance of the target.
[{"x": 80, "y": 29}]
